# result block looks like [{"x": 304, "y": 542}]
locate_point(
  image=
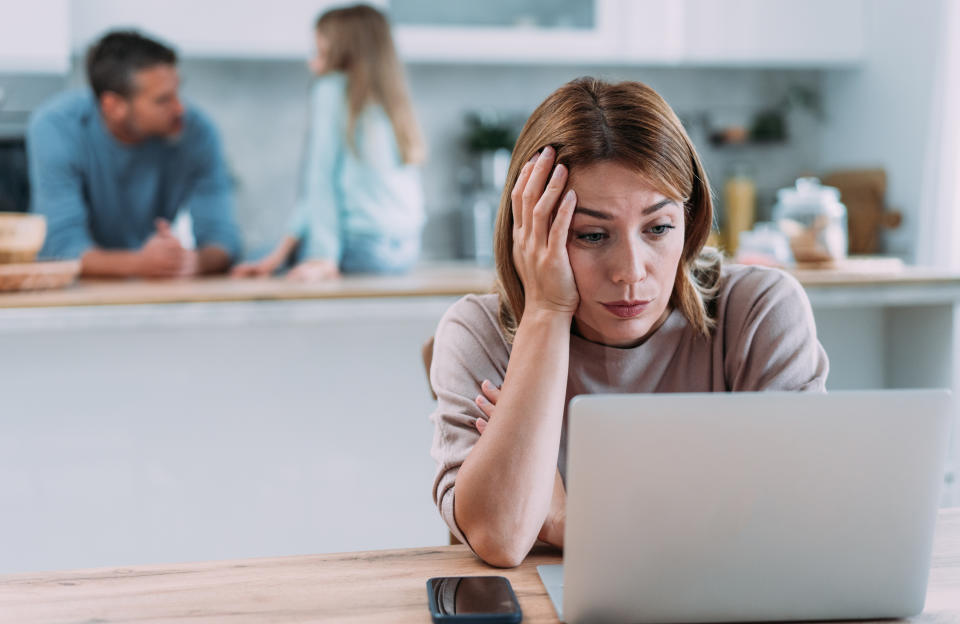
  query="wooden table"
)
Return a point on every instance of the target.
[{"x": 374, "y": 586}]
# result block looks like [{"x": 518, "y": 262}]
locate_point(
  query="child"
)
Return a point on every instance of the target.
[{"x": 360, "y": 205}]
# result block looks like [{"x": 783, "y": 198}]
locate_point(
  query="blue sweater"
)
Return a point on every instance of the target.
[
  {"x": 98, "y": 192},
  {"x": 345, "y": 192}
]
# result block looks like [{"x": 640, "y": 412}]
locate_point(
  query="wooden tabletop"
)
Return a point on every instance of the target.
[
  {"x": 447, "y": 279},
  {"x": 376, "y": 586}
]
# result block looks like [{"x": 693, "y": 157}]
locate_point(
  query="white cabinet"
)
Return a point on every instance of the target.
[
  {"x": 636, "y": 32},
  {"x": 773, "y": 31},
  {"x": 207, "y": 28},
  {"x": 507, "y": 32},
  {"x": 34, "y": 37}
]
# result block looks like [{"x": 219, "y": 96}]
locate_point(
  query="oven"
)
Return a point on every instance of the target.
[{"x": 14, "y": 180}]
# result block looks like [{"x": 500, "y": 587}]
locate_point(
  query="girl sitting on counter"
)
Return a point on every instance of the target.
[
  {"x": 603, "y": 285},
  {"x": 360, "y": 205}
]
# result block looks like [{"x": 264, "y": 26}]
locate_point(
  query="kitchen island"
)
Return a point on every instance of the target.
[{"x": 217, "y": 419}]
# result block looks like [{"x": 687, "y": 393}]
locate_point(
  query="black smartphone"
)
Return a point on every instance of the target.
[{"x": 472, "y": 599}]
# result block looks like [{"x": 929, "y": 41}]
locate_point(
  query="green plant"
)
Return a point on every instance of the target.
[{"x": 488, "y": 132}]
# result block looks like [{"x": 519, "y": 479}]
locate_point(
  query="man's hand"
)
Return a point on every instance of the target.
[{"x": 163, "y": 255}]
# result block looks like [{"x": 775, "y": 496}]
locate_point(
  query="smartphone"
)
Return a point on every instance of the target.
[{"x": 478, "y": 599}]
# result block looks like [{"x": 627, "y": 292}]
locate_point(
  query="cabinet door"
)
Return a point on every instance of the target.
[
  {"x": 34, "y": 37},
  {"x": 772, "y": 32},
  {"x": 651, "y": 31},
  {"x": 209, "y": 28},
  {"x": 507, "y": 31}
]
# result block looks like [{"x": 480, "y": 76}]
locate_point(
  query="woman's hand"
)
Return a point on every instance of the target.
[
  {"x": 541, "y": 222},
  {"x": 269, "y": 264},
  {"x": 263, "y": 268},
  {"x": 314, "y": 271},
  {"x": 555, "y": 523}
]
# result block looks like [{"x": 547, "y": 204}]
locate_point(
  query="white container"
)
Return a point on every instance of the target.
[{"x": 814, "y": 221}]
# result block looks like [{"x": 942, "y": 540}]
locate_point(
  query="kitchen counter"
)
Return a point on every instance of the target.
[
  {"x": 432, "y": 280},
  {"x": 239, "y": 419},
  {"x": 449, "y": 279},
  {"x": 378, "y": 586}
]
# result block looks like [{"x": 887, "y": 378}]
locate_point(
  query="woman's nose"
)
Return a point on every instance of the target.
[{"x": 629, "y": 263}]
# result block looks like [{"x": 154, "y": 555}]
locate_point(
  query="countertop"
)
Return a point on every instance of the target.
[
  {"x": 449, "y": 279},
  {"x": 374, "y": 586}
]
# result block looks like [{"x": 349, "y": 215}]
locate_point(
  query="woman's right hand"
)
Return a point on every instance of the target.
[
  {"x": 269, "y": 264},
  {"x": 261, "y": 268},
  {"x": 541, "y": 222}
]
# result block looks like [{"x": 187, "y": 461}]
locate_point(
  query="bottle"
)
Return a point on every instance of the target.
[{"x": 740, "y": 205}]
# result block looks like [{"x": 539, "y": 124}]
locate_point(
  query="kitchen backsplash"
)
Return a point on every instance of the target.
[{"x": 261, "y": 110}]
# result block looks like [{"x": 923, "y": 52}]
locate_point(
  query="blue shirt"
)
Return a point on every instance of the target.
[
  {"x": 346, "y": 191},
  {"x": 97, "y": 191}
]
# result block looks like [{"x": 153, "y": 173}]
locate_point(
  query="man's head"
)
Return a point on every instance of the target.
[{"x": 136, "y": 84}]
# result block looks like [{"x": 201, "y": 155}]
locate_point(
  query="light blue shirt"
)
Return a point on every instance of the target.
[
  {"x": 344, "y": 192},
  {"x": 97, "y": 191}
]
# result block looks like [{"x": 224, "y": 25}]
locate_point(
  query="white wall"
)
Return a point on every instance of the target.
[{"x": 879, "y": 114}]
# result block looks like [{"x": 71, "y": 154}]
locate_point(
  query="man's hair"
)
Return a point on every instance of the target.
[{"x": 114, "y": 59}]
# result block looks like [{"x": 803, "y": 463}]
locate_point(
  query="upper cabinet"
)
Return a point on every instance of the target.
[
  {"x": 773, "y": 32},
  {"x": 636, "y": 32},
  {"x": 35, "y": 37},
  {"x": 208, "y": 28}
]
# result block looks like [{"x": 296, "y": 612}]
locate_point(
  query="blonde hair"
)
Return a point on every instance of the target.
[
  {"x": 589, "y": 121},
  {"x": 361, "y": 46}
]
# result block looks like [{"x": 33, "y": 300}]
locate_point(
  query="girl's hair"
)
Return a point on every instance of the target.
[
  {"x": 589, "y": 121},
  {"x": 361, "y": 47}
]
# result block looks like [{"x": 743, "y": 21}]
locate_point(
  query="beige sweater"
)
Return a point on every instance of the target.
[{"x": 765, "y": 339}]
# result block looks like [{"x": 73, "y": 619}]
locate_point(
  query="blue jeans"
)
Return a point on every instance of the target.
[{"x": 379, "y": 254}]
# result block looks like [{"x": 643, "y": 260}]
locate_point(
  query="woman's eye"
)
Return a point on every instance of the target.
[
  {"x": 592, "y": 237},
  {"x": 660, "y": 230}
]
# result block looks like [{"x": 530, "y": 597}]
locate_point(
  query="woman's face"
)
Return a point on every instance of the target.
[
  {"x": 625, "y": 244},
  {"x": 319, "y": 63}
]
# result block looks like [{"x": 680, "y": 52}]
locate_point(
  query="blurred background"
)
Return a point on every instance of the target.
[{"x": 768, "y": 89}]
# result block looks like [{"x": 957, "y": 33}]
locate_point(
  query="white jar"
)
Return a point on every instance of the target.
[{"x": 814, "y": 221}]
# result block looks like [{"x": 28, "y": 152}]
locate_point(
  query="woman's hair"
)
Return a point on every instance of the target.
[
  {"x": 361, "y": 47},
  {"x": 589, "y": 121}
]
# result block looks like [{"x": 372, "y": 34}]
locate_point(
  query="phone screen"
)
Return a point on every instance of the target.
[{"x": 472, "y": 595}]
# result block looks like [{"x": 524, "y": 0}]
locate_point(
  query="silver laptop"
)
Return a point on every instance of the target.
[{"x": 750, "y": 507}]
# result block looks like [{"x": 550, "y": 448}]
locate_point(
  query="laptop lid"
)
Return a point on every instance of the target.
[{"x": 753, "y": 506}]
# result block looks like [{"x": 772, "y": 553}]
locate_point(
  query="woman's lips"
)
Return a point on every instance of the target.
[{"x": 627, "y": 309}]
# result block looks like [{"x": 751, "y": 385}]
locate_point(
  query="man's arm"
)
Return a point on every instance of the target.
[
  {"x": 212, "y": 259},
  {"x": 56, "y": 183},
  {"x": 210, "y": 202}
]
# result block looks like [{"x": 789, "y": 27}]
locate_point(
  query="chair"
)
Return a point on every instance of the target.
[{"x": 426, "y": 352}]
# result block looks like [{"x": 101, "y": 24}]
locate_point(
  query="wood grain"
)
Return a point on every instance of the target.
[
  {"x": 376, "y": 586},
  {"x": 439, "y": 280}
]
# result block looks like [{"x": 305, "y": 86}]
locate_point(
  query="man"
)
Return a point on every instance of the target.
[{"x": 111, "y": 167}]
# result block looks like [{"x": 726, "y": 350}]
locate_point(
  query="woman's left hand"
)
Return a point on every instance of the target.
[
  {"x": 314, "y": 271},
  {"x": 553, "y": 525}
]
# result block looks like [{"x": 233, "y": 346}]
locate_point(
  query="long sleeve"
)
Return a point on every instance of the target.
[
  {"x": 316, "y": 216},
  {"x": 210, "y": 201},
  {"x": 772, "y": 338},
  {"x": 57, "y": 189},
  {"x": 468, "y": 348}
]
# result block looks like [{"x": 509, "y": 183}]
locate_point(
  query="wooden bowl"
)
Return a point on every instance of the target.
[
  {"x": 21, "y": 236},
  {"x": 38, "y": 275}
]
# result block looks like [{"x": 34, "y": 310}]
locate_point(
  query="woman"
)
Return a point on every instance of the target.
[
  {"x": 360, "y": 207},
  {"x": 604, "y": 285}
]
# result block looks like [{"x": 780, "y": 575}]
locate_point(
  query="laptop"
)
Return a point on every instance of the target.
[{"x": 750, "y": 506}]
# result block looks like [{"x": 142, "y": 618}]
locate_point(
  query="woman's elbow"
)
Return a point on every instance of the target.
[{"x": 498, "y": 551}]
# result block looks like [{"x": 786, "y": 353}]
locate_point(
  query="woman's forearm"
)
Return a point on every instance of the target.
[{"x": 505, "y": 486}]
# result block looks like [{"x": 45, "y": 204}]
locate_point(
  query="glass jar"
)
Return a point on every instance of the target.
[{"x": 814, "y": 221}]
